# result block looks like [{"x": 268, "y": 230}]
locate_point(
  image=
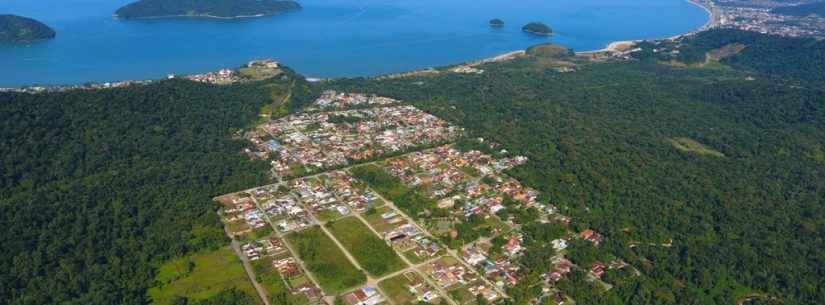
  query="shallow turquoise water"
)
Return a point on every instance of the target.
[{"x": 328, "y": 38}]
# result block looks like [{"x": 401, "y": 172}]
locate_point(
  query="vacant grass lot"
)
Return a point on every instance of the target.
[
  {"x": 267, "y": 275},
  {"x": 371, "y": 252},
  {"x": 391, "y": 188},
  {"x": 396, "y": 288},
  {"x": 373, "y": 216},
  {"x": 323, "y": 258},
  {"x": 200, "y": 276}
]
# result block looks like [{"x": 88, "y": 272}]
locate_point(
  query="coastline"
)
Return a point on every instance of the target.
[
  {"x": 613, "y": 46},
  {"x": 712, "y": 21},
  {"x": 204, "y": 16}
]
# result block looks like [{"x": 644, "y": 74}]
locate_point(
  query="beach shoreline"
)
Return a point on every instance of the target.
[
  {"x": 712, "y": 22},
  {"x": 613, "y": 46}
]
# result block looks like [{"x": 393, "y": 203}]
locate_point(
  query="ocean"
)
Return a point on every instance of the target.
[{"x": 328, "y": 38}]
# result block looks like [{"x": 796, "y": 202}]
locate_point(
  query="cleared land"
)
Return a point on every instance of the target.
[
  {"x": 405, "y": 198},
  {"x": 397, "y": 288},
  {"x": 691, "y": 145},
  {"x": 371, "y": 252},
  {"x": 323, "y": 258},
  {"x": 267, "y": 275},
  {"x": 200, "y": 276},
  {"x": 377, "y": 222}
]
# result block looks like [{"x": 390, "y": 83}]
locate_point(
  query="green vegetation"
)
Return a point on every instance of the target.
[
  {"x": 599, "y": 145},
  {"x": 338, "y": 119},
  {"x": 199, "y": 277},
  {"x": 323, "y": 258},
  {"x": 205, "y": 8},
  {"x": 267, "y": 275},
  {"x": 100, "y": 188},
  {"x": 550, "y": 50},
  {"x": 537, "y": 28},
  {"x": 371, "y": 252},
  {"x": 391, "y": 188},
  {"x": 226, "y": 297},
  {"x": 396, "y": 288},
  {"x": 16, "y": 29},
  {"x": 780, "y": 58},
  {"x": 690, "y": 145}
]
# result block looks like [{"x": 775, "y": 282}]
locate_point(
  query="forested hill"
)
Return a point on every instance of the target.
[
  {"x": 816, "y": 8},
  {"x": 709, "y": 177},
  {"x": 99, "y": 187},
  {"x": 14, "y": 29},
  {"x": 205, "y": 8}
]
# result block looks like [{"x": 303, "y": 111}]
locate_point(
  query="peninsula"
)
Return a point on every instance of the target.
[
  {"x": 17, "y": 29},
  {"x": 223, "y": 9},
  {"x": 537, "y": 28}
]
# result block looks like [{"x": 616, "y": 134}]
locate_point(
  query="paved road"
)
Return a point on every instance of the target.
[
  {"x": 449, "y": 251},
  {"x": 371, "y": 280},
  {"x": 292, "y": 251},
  {"x": 248, "y": 268},
  {"x": 410, "y": 266}
]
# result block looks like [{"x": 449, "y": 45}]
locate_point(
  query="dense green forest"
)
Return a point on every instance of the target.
[
  {"x": 726, "y": 161},
  {"x": 21, "y": 29},
  {"x": 212, "y": 8},
  {"x": 801, "y": 59},
  {"x": 708, "y": 179},
  {"x": 99, "y": 188}
]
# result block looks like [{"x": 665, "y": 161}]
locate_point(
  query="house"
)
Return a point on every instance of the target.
[
  {"x": 559, "y": 244},
  {"x": 513, "y": 246},
  {"x": 591, "y": 236},
  {"x": 597, "y": 269}
]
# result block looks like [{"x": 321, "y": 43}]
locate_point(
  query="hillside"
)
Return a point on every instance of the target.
[
  {"x": 16, "y": 29},
  {"x": 709, "y": 180},
  {"x": 99, "y": 188},
  {"x": 205, "y": 8}
]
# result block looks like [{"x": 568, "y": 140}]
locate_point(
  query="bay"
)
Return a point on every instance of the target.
[{"x": 328, "y": 38}]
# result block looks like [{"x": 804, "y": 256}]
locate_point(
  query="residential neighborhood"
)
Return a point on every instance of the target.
[{"x": 467, "y": 243}]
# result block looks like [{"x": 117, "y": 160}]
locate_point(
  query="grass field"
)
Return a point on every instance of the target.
[
  {"x": 371, "y": 252},
  {"x": 323, "y": 258},
  {"x": 407, "y": 199},
  {"x": 327, "y": 215},
  {"x": 376, "y": 221},
  {"x": 267, "y": 275},
  {"x": 396, "y": 288},
  {"x": 200, "y": 276},
  {"x": 693, "y": 146}
]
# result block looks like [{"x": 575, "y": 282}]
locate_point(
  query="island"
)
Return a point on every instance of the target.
[
  {"x": 17, "y": 29},
  {"x": 496, "y": 23},
  {"x": 223, "y": 9},
  {"x": 537, "y": 28}
]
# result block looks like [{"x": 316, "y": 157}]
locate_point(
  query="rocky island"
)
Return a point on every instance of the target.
[
  {"x": 17, "y": 29},
  {"x": 224, "y": 9},
  {"x": 537, "y": 28},
  {"x": 496, "y": 23}
]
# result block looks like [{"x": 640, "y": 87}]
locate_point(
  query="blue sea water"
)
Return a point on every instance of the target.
[{"x": 328, "y": 38}]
